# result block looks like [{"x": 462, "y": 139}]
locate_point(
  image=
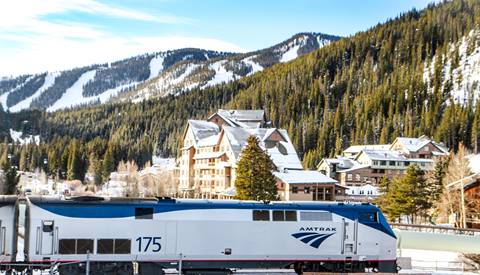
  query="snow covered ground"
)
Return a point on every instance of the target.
[
  {"x": 465, "y": 76},
  {"x": 221, "y": 74},
  {"x": 73, "y": 95},
  {"x": 24, "y": 104},
  {"x": 156, "y": 66},
  {"x": 19, "y": 138}
]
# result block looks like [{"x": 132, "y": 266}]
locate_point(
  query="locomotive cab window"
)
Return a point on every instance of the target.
[
  {"x": 261, "y": 215},
  {"x": 105, "y": 246},
  {"x": 75, "y": 246},
  {"x": 84, "y": 246},
  {"x": 113, "y": 246},
  {"x": 66, "y": 246},
  {"x": 368, "y": 217},
  {"x": 143, "y": 213},
  {"x": 280, "y": 215},
  {"x": 122, "y": 246}
]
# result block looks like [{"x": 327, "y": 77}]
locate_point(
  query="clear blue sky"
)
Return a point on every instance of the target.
[{"x": 39, "y": 35}]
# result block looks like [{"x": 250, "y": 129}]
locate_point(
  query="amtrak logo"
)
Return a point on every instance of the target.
[{"x": 314, "y": 239}]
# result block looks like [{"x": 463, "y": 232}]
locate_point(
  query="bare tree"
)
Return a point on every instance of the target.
[{"x": 453, "y": 202}]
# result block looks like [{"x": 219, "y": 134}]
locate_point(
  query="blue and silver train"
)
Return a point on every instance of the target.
[{"x": 146, "y": 236}]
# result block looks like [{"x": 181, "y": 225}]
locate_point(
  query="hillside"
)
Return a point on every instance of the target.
[
  {"x": 150, "y": 75},
  {"x": 415, "y": 74}
]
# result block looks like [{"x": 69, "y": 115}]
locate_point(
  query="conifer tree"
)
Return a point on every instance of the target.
[
  {"x": 108, "y": 162},
  {"x": 255, "y": 180},
  {"x": 11, "y": 178},
  {"x": 75, "y": 166}
]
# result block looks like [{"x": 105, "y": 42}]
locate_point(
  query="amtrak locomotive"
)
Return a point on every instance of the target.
[{"x": 120, "y": 236}]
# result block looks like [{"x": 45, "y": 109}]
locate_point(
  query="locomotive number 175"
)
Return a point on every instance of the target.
[{"x": 149, "y": 244}]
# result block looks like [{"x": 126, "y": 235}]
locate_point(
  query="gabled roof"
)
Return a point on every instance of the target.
[
  {"x": 381, "y": 155},
  {"x": 203, "y": 129},
  {"x": 412, "y": 144},
  {"x": 241, "y": 118},
  {"x": 356, "y": 167},
  {"x": 303, "y": 176},
  {"x": 341, "y": 162},
  {"x": 354, "y": 149},
  {"x": 283, "y": 154}
]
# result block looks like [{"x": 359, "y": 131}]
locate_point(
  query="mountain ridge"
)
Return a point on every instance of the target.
[{"x": 100, "y": 83}]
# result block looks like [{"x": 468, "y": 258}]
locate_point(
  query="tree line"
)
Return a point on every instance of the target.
[{"x": 364, "y": 89}]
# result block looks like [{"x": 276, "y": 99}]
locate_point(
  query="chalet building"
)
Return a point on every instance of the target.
[
  {"x": 366, "y": 165},
  {"x": 471, "y": 187},
  {"x": 211, "y": 150},
  {"x": 301, "y": 185}
]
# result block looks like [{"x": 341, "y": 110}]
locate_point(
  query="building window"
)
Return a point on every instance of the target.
[
  {"x": 306, "y": 190},
  {"x": 349, "y": 176},
  {"x": 357, "y": 177},
  {"x": 392, "y": 163},
  {"x": 294, "y": 189},
  {"x": 383, "y": 162}
]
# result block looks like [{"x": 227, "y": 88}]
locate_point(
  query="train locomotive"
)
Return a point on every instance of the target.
[{"x": 146, "y": 236}]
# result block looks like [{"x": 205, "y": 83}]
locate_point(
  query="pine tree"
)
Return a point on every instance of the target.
[
  {"x": 75, "y": 165},
  {"x": 108, "y": 165},
  {"x": 11, "y": 178},
  {"x": 255, "y": 180}
]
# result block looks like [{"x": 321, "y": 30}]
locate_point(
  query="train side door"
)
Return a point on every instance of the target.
[
  {"x": 350, "y": 235},
  {"x": 45, "y": 237}
]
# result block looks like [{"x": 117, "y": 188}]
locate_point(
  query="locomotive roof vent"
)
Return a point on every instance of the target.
[{"x": 86, "y": 198}]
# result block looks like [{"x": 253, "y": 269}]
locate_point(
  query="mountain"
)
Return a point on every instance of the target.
[
  {"x": 191, "y": 74},
  {"x": 413, "y": 75},
  {"x": 150, "y": 75},
  {"x": 92, "y": 84}
]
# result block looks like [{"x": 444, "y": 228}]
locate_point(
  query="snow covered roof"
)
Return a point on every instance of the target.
[
  {"x": 355, "y": 149},
  {"x": 474, "y": 163},
  {"x": 382, "y": 155},
  {"x": 303, "y": 176},
  {"x": 421, "y": 160},
  {"x": 283, "y": 154},
  {"x": 341, "y": 162},
  {"x": 202, "y": 129},
  {"x": 412, "y": 144},
  {"x": 208, "y": 141},
  {"x": 208, "y": 155},
  {"x": 356, "y": 167},
  {"x": 242, "y": 118}
]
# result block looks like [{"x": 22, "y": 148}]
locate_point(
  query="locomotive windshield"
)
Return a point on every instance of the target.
[{"x": 368, "y": 217}]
